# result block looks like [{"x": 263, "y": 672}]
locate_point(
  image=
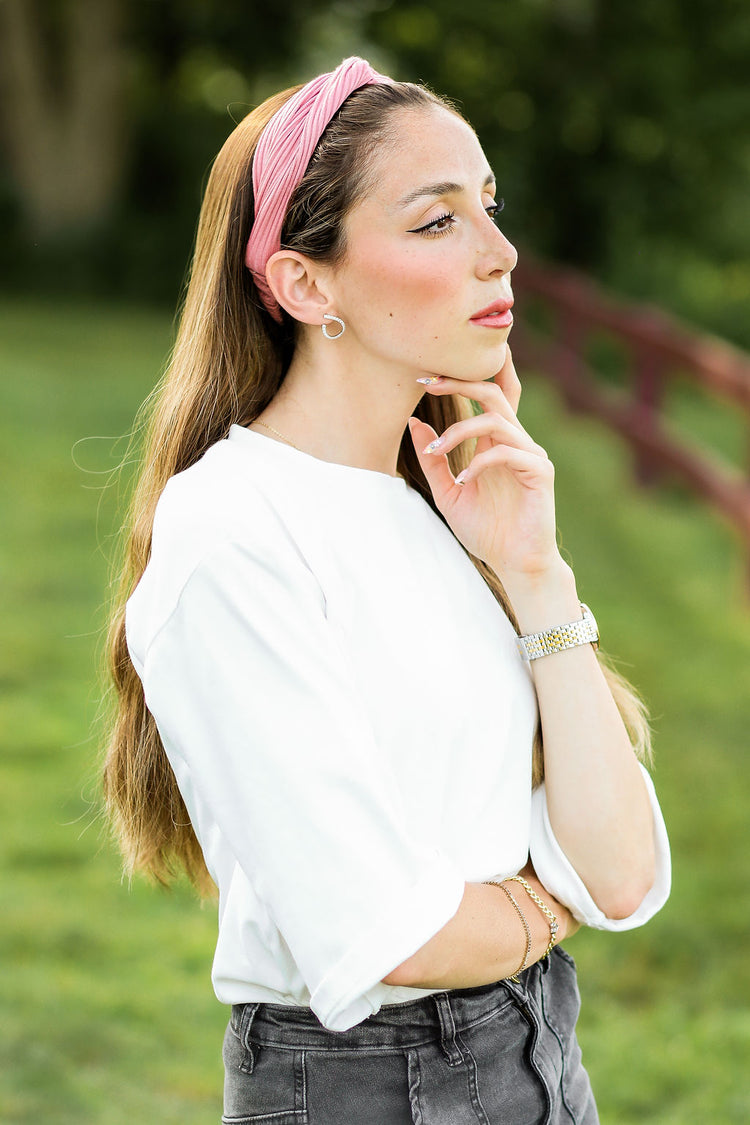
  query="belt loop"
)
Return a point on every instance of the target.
[
  {"x": 246, "y": 1022},
  {"x": 448, "y": 1044}
]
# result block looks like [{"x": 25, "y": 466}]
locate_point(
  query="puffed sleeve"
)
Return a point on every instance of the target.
[
  {"x": 249, "y": 687},
  {"x": 558, "y": 875}
]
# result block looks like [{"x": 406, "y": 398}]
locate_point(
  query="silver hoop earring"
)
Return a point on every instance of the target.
[{"x": 324, "y": 327}]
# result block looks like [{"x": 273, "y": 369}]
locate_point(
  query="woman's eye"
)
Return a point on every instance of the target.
[
  {"x": 444, "y": 224},
  {"x": 438, "y": 226}
]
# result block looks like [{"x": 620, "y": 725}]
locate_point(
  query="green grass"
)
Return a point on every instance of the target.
[{"x": 107, "y": 1014}]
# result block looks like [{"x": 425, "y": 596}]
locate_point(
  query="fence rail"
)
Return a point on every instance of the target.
[{"x": 659, "y": 348}]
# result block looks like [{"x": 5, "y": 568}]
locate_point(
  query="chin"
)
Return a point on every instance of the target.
[
  {"x": 475, "y": 365},
  {"x": 487, "y": 364},
  {"x": 499, "y": 355},
  {"x": 502, "y": 353}
]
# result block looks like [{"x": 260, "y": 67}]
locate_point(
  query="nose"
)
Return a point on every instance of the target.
[{"x": 496, "y": 254}]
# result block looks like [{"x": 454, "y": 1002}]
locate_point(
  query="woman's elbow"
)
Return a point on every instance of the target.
[
  {"x": 409, "y": 974},
  {"x": 623, "y": 899},
  {"x": 397, "y": 978},
  {"x": 435, "y": 962},
  {"x": 432, "y": 966}
]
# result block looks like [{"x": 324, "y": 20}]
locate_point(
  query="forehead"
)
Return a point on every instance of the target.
[{"x": 425, "y": 146}]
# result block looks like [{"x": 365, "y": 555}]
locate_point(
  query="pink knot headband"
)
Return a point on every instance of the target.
[{"x": 283, "y": 153}]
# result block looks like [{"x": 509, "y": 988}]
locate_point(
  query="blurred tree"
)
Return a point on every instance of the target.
[
  {"x": 110, "y": 113},
  {"x": 63, "y": 110}
]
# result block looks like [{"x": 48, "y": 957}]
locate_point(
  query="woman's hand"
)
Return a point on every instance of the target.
[{"x": 502, "y": 507}]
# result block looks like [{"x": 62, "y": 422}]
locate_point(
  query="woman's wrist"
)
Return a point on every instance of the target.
[
  {"x": 543, "y": 599},
  {"x": 545, "y": 921}
]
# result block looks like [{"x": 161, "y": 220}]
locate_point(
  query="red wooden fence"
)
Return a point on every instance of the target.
[{"x": 658, "y": 348}]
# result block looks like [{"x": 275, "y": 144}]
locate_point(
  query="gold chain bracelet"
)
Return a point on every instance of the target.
[
  {"x": 524, "y": 923},
  {"x": 549, "y": 915}
]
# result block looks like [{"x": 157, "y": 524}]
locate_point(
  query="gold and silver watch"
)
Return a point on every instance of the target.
[{"x": 560, "y": 637}]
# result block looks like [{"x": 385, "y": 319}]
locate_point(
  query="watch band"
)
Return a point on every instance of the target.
[{"x": 560, "y": 637}]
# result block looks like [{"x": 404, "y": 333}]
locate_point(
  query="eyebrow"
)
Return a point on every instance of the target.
[{"x": 446, "y": 187}]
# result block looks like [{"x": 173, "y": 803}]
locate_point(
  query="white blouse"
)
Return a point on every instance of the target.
[{"x": 348, "y": 719}]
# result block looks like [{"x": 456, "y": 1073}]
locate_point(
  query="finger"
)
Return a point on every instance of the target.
[
  {"x": 508, "y": 380},
  {"x": 489, "y": 425},
  {"x": 530, "y": 469},
  {"x": 488, "y": 394},
  {"x": 436, "y": 469}
]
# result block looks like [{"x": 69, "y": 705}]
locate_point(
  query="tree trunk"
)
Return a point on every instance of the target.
[{"x": 63, "y": 110}]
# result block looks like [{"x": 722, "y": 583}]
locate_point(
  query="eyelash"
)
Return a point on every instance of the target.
[{"x": 429, "y": 230}]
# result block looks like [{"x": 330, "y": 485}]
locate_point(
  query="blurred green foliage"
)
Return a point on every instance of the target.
[
  {"x": 620, "y": 133},
  {"x": 106, "y": 1009}
]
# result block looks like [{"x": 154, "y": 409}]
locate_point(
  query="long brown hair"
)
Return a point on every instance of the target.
[{"x": 228, "y": 362}]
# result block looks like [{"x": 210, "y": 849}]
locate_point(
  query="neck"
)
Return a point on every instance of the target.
[{"x": 344, "y": 408}]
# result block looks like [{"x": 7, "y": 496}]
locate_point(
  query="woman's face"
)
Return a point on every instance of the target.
[{"x": 424, "y": 255}]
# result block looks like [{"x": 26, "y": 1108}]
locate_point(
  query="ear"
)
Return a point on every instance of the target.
[{"x": 298, "y": 284}]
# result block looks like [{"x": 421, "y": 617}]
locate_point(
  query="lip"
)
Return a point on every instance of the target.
[{"x": 496, "y": 315}]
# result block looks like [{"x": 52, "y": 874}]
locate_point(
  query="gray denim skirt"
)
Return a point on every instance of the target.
[{"x": 501, "y": 1054}]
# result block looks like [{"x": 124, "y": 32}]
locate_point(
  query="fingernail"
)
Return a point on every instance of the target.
[
  {"x": 461, "y": 478},
  {"x": 431, "y": 379},
  {"x": 433, "y": 445}
]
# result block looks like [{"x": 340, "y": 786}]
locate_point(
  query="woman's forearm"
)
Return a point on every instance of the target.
[
  {"x": 484, "y": 941},
  {"x": 597, "y": 801}
]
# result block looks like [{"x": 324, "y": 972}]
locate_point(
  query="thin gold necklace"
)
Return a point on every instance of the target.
[
  {"x": 288, "y": 442},
  {"x": 273, "y": 431}
]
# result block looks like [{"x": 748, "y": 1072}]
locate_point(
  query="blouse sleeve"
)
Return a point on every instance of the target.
[
  {"x": 558, "y": 875},
  {"x": 251, "y": 693}
]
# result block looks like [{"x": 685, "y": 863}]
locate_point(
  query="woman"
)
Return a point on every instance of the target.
[{"x": 324, "y": 707}]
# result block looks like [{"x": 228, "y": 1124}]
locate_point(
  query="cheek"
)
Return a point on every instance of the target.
[{"x": 399, "y": 284}]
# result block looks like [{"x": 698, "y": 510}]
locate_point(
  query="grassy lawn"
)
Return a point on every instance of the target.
[{"x": 107, "y": 1013}]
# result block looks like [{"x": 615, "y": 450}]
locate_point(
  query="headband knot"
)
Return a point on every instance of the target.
[{"x": 283, "y": 153}]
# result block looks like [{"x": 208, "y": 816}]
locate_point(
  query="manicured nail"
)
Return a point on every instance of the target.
[
  {"x": 429, "y": 379},
  {"x": 433, "y": 445},
  {"x": 461, "y": 478}
]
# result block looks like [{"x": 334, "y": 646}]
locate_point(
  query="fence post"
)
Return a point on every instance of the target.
[
  {"x": 649, "y": 393},
  {"x": 571, "y": 333}
]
